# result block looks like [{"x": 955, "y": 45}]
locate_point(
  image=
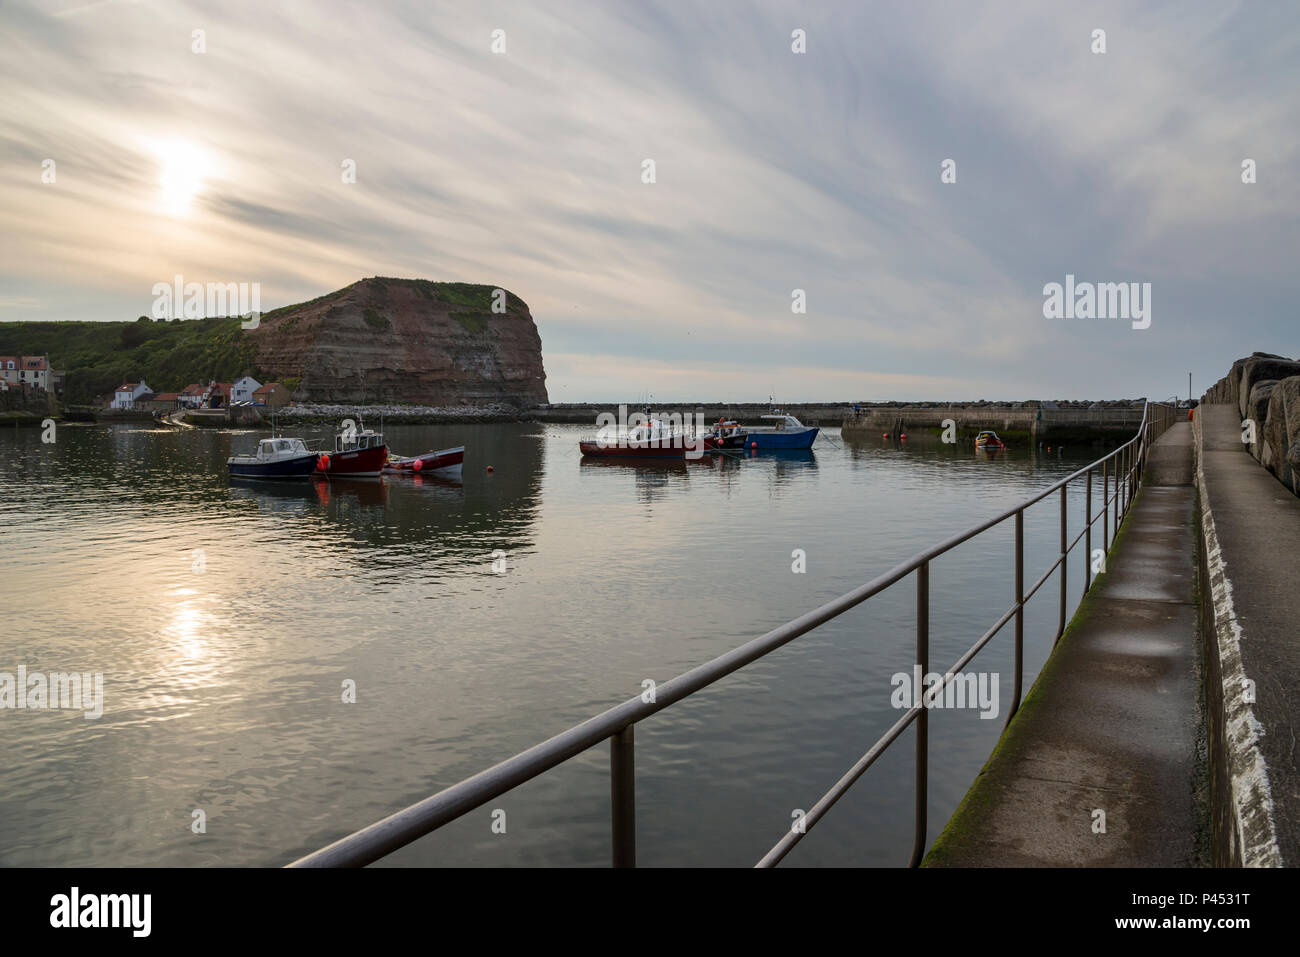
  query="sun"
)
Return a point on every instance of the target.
[{"x": 182, "y": 170}]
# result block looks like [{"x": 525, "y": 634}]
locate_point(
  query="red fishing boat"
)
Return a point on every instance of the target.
[
  {"x": 654, "y": 440},
  {"x": 445, "y": 462},
  {"x": 356, "y": 455}
]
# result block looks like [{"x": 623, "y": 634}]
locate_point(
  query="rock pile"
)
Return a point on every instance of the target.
[{"x": 1265, "y": 389}]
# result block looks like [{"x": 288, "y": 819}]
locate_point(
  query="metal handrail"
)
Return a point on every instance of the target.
[{"x": 616, "y": 724}]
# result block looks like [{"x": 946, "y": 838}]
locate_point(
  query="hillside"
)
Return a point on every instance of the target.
[
  {"x": 97, "y": 357},
  {"x": 377, "y": 340}
]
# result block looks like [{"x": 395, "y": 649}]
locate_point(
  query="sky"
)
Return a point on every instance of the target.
[{"x": 518, "y": 158}]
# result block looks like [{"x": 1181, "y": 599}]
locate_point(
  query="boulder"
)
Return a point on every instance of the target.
[
  {"x": 1279, "y": 432},
  {"x": 1257, "y": 409},
  {"x": 1258, "y": 368}
]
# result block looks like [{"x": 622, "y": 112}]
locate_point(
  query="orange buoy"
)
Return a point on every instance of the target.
[
  {"x": 903, "y": 436},
  {"x": 323, "y": 463},
  {"x": 884, "y": 435},
  {"x": 753, "y": 445},
  {"x": 491, "y": 469},
  {"x": 417, "y": 464}
]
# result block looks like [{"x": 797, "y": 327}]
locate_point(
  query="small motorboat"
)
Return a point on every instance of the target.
[
  {"x": 726, "y": 434},
  {"x": 988, "y": 441},
  {"x": 356, "y": 455},
  {"x": 445, "y": 463},
  {"x": 785, "y": 432},
  {"x": 275, "y": 458}
]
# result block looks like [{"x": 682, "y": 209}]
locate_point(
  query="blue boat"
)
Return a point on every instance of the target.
[
  {"x": 275, "y": 459},
  {"x": 786, "y": 432}
]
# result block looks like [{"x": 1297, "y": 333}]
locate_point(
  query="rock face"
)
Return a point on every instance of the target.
[
  {"x": 406, "y": 341},
  {"x": 1266, "y": 390}
]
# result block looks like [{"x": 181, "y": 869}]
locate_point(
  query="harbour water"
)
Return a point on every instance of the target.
[{"x": 476, "y": 618}]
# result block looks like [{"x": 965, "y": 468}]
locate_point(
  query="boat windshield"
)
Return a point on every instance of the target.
[
  {"x": 346, "y": 441},
  {"x": 269, "y": 447}
]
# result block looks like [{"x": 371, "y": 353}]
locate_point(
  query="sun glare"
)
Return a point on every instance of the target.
[{"x": 182, "y": 168}]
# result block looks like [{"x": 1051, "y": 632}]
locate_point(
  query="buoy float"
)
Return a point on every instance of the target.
[
  {"x": 417, "y": 464},
  {"x": 753, "y": 445},
  {"x": 903, "y": 436},
  {"x": 323, "y": 463},
  {"x": 884, "y": 435},
  {"x": 491, "y": 469}
]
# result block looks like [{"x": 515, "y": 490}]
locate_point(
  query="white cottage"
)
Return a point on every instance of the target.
[
  {"x": 125, "y": 395},
  {"x": 243, "y": 389}
]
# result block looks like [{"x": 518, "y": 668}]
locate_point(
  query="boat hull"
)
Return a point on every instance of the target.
[
  {"x": 782, "y": 440},
  {"x": 294, "y": 468},
  {"x": 632, "y": 450},
  {"x": 717, "y": 444},
  {"x": 354, "y": 463},
  {"x": 446, "y": 462}
]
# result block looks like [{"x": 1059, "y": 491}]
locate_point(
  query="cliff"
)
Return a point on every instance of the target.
[{"x": 405, "y": 341}]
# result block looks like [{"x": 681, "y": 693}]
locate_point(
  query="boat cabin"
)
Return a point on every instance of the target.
[
  {"x": 785, "y": 423},
  {"x": 349, "y": 440},
  {"x": 281, "y": 448}
]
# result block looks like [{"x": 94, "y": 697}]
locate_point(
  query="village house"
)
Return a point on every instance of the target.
[
  {"x": 162, "y": 402},
  {"x": 216, "y": 396},
  {"x": 33, "y": 371},
  {"x": 272, "y": 395},
  {"x": 191, "y": 397},
  {"x": 125, "y": 396},
  {"x": 243, "y": 390}
]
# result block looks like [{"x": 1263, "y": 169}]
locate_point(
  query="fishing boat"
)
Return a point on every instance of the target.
[
  {"x": 275, "y": 458},
  {"x": 988, "y": 441},
  {"x": 726, "y": 434},
  {"x": 447, "y": 462},
  {"x": 654, "y": 439},
  {"x": 357, "y": 454},
  {"x": 785, "y": 432}
]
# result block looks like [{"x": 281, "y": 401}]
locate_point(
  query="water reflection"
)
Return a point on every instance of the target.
[{"x": 222, "y": 681}]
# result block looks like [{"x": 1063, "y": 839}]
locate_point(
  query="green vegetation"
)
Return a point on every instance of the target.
[
  {"x": 97, "y": 357},
  {"x": 474, "y": 297},
  {"x": 375, "y": 321},
  {"x": 474, "y": 322}
]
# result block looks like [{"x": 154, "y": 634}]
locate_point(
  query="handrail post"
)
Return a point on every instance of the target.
[
  {"x": 1020, "y": 613},
  {"x": 622, "y": 793},
  {"x": 1065, "y": 561},
  {"x": 1087, "y": 532},
  {"x": 1115, "y": 519},
  {"x": 922, "y": 719},
  {"x": 1105, "y": 506}
]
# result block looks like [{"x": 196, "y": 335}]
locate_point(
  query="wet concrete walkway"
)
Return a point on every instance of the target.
[
  {"x": 1105, "y": 764},
  {"x": 1252, "y": 530}
]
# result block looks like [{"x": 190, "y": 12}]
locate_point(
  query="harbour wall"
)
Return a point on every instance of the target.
[{"x": 1114, "y": 421}]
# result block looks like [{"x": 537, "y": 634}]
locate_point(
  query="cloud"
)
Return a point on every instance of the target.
[{"x": 775, "y": 171}]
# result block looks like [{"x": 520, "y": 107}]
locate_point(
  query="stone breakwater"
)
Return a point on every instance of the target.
[
  {"x": 372, "y": 415},
  {"x": 1265, "y": 390}
]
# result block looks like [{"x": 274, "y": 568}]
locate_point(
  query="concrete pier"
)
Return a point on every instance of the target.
[
  {"x": 1105, "y": 763},
  {"x": 1250, "y": 524}
]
